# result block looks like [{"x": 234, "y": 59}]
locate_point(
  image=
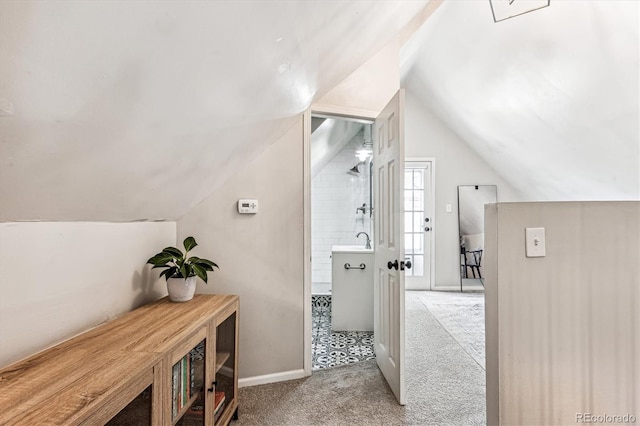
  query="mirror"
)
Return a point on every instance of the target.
[{"x": 471, "y": 201}]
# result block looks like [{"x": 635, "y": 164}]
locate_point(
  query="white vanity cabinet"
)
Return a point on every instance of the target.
[{"x": 351, "y": 288}]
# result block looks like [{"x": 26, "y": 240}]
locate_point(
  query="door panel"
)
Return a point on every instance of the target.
[
  {"x": 380, "y": 201},
  {"x": 389, "y": 250},
  {"x": 391, "y": 229}
]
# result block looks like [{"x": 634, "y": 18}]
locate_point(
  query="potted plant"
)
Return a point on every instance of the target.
[{"x": 180, "y": 271}]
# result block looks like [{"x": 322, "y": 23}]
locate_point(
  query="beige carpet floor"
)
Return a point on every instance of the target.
[
  {"x": 462, "y": 315},
  {"x": 445, "y": 386}
]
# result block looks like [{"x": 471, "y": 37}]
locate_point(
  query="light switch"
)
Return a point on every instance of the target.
[
  {"x": 448, "y": 208},
  {"x": 535, "y": 242}
]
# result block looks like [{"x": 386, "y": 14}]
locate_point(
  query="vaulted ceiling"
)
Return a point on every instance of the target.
[
  {"x": 137, "y": 110},
  {"x": 549, "y": 99},
  {"x": 124, "y": 111}
]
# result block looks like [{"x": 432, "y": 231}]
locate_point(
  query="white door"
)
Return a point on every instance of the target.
[
  {"x": 388, "y": 327},
  {"x": 418, "y": 223}
]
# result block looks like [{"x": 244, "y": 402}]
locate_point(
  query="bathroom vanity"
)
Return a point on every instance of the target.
[{"x": 352, "y": 288}]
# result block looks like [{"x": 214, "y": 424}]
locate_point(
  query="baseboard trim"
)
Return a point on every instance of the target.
[
  {"x": 446, "y": 288},
  {"x": 457, "y": 288},
  {"x": 271, "y": 378}
]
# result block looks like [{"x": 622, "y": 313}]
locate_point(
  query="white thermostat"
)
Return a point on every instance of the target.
[{"x": 247, "y": 206}]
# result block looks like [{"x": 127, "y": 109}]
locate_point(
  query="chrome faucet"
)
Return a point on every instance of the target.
[{"x": 368, "y": 243}]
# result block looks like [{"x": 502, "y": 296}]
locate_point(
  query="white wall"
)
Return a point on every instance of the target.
[
  {"x": 58, "y": 279},
  {"x": 563, "y": 331},
  {"x": 260, "y": 256},
  {"x": 335, "y": 195},
  {"x": 354, "y": 95},
  {"x": 456, "y": 164}
]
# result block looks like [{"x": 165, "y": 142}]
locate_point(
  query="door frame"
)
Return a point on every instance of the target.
[
  {"x": 354, "y": 114},
  {"x": 307, "y": 361},
  {"x": 432, "y": 202}
]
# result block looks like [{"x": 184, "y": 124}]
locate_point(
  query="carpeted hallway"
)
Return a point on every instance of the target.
[{"x": 445, "y": 384}]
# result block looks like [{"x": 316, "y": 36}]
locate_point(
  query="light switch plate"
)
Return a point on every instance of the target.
[
  {"x": 535, "y": 242},
  {"x": 448, "y": 208}
]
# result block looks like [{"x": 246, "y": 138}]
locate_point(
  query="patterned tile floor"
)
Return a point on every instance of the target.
[{"x": 331, "y": 348}]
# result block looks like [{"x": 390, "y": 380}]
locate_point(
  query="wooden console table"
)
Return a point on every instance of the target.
[{"x": 162, "y": 364}]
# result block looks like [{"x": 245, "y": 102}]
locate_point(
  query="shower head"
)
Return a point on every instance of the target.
[{"x": 354, "y": 171}]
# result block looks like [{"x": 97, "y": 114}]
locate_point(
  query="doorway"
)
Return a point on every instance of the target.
[
  {"x": 419, "y": 219},
  {"x": 341, "y": 231},
  {"x": 388, "y": 244}
]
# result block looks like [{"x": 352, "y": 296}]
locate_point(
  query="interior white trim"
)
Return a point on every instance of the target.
[
  {"x": 432, "y": 202},
  {"x": 306, "y": 250},
  {"x": 272, "y": 378},
  {"x": 358, "y": 119},
  {"x": 472, "y": 288},
  {"x": 344, "y": 112},
  {"x": 456, "y": 288},
  {"x": 446, "y": 288}
]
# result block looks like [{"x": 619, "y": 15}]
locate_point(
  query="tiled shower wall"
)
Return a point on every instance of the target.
[{"x": 335, "y": 195}]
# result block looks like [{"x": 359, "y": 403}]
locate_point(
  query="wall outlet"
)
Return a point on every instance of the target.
[{"x": 535, "y": 242}]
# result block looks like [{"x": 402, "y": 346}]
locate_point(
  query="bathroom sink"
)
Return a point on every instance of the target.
[{"x": 350, "y": 249}]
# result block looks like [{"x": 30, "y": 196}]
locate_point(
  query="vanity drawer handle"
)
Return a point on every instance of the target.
[{"x": 348, "y": 266}]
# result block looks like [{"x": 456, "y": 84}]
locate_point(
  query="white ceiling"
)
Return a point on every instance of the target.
[
  {"x": 550, "y": 99},
  {"x": 124, "y": 111}
]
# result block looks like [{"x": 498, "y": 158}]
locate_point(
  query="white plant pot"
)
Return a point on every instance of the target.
[{"x": 181, "y": 290}]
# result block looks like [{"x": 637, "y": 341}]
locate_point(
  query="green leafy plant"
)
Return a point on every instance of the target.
[{"x": 178, "y": 265}]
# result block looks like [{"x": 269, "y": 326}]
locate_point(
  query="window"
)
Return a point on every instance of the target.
[{"x": 414, "y": 219}]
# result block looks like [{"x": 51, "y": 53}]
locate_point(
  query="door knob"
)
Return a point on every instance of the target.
[
  {"x": 393, "y": 265},
  {"x": 406, "y": 264},
  {"x": 427, "y": 229},
  {"x": 426, "y": 219}
]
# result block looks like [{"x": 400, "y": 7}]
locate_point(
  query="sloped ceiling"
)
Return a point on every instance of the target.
[
  {"x": 550, "y": 99},
  {"x": 328, "y": 139},
  {"x": 125, "y": 111}
]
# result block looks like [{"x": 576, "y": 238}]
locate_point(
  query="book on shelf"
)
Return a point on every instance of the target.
[
  {"x": 187, "y": 380},
  {"x": 219, "y": 400},
  {"x": 192, "y": 374},
  {"x": 184, "y": 377},
  {"x": 183, "y": 383},
  {"x": 175, "y": 373}
]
